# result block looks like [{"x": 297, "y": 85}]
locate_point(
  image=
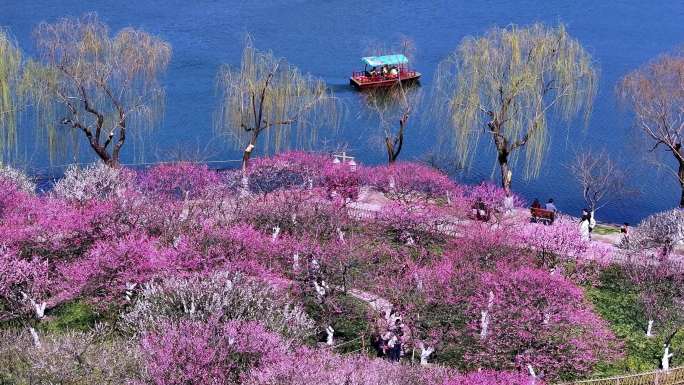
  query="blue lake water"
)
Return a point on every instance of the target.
[{"x": 326, "y": 38}]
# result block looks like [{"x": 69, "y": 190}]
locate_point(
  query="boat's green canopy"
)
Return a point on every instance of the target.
[{"x": 389, "y": 60}]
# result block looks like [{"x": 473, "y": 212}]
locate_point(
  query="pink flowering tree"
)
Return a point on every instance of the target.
[
  {"x": 407, "y": 181},
  {"x": 341, "y": 181},
  {"x": 111, "y": 268},
  {"x": 24, "y": 285},
  {"x": 311, "y": 367},
  {"x": 496, "y": 200},
  {"x": 659, "y": 283},
  {"x": 410, "y": 224},
  {"x": 191, "y": 352},
  {"x": 178, "y": 181},
  {"x": 296, "y": 213},
  {"x": 531, "y": 321},
  {"x": 287, "y": 171}
]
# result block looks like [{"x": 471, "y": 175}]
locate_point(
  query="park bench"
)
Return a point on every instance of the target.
[{"x": 541, "y": 215}]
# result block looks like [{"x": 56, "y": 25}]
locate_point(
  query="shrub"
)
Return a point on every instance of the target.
[
  {"x": 78, "y": 358},
  {"x": 96, "y": 181},
  {"x": 20, "y": 180}
]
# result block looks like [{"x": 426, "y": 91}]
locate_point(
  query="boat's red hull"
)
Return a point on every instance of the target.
[{"x": 364, "y": 82}]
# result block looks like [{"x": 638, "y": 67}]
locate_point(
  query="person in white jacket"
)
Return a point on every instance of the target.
[
  {"x": 584, "y": 225},
  {"x": 592, "y": 222}
]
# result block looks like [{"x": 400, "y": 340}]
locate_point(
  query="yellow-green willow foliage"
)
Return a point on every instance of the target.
[
  {"x": 102, "y": 86},
  {"x": 10, "y": 72},
  {"x": 270, "y": 97},
  {"x": 506, "y": 84}
]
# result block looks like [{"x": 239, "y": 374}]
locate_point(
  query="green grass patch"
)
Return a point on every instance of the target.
[
  {"x": 350, "y": 319},
  {"x": 616, "y": 302},
  {"x": 77, "y": 315},
  {"x": 606, "y": 229}
]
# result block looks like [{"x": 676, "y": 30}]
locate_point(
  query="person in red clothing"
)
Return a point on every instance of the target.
[{"x": 536, "y": 204}]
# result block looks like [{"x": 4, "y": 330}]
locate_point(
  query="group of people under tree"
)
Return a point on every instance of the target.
[
  {"x": 550, "y": 206},
  {"x": 587, "y": 222},
  {"x": 389, "y": 336}
]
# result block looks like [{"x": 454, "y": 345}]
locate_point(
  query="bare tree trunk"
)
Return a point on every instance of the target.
[
  {"x": 506, "y": 173},
  {"x": 395, "y": 144},
  {"x": 680, "y": 174},
  {"x": 111, "y": 162},
  {"x": 503, "y": 150},
  {"x": 247, "y": 153},
  {"x": 390, "y": 150}
]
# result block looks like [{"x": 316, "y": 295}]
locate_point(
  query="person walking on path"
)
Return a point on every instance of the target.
[
  {"x": 592, "y": 223},
  {"x": 584, "y": 225}
]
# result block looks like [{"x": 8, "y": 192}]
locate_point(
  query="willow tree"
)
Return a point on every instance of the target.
[
  {"x": 101, "y": 85},
  {"x": 512, "y": 84},
  {"x": 10, "y": 70},
  {"x": 655, "y": 92},
  {"x": 270, "y": 97}
]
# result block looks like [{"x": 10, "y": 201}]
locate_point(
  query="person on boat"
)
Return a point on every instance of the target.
[
  {"x": 394, "y": 72},
  {"x": 385, "y": 70},
  {"x": 373, "y": 72}
]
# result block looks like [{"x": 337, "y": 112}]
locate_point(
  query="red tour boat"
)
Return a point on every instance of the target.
[{"x": 383, "y": 71}]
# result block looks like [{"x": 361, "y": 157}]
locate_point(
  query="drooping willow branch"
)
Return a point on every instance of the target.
[
  {"x": 506, "y": 84},
  {"x": 96, "y": 83},
  {"x": 266, "y": 96},
  {"x": 10, "y": 105}
]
